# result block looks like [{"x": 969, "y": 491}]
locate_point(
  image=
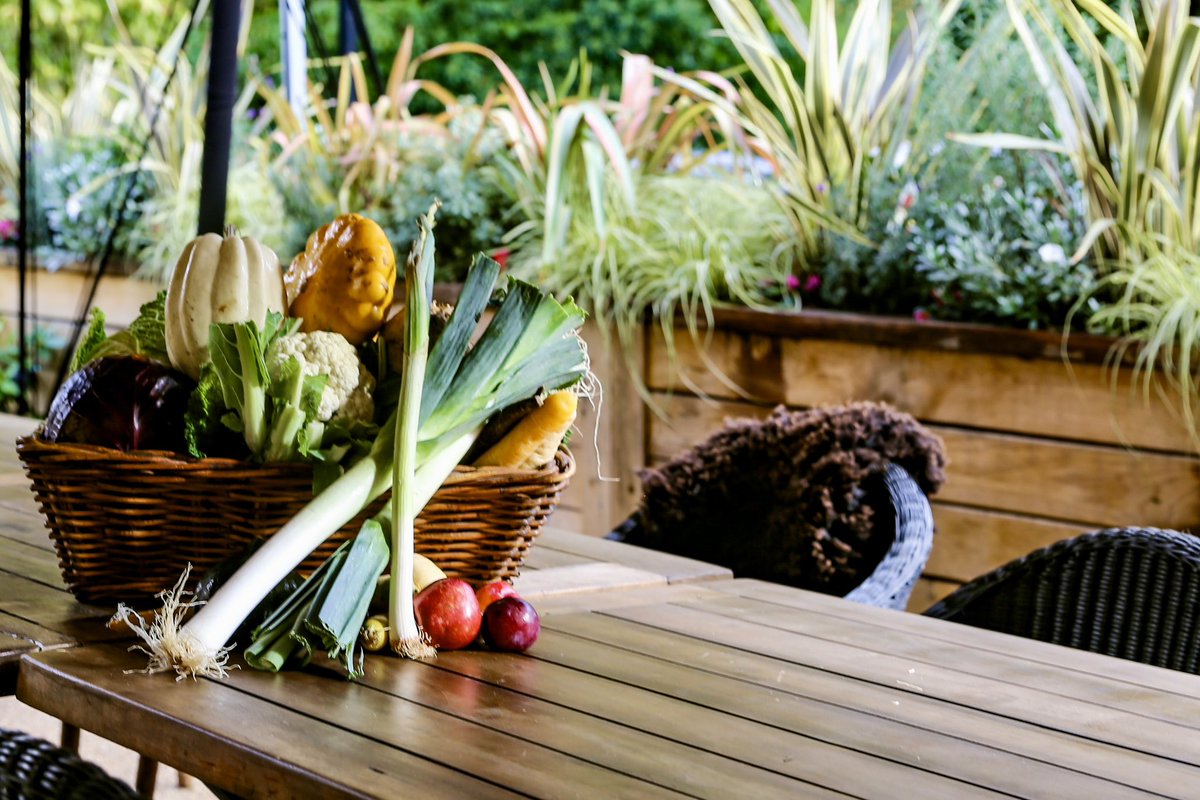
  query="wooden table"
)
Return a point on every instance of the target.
[
  {"x": 38, "y": 614},
  {"x": 706, "y": 687}
]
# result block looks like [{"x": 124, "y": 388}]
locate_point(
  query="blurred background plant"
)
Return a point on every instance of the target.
[
  {"x": 525, "y": 33},
  {"x": 590, "y": 171},
  {"x": 831, "y": 132},
  {"x": 380, "y": 158},
  {"x": 962, "y": 232},
  {"x": 43, "y": 346},
  {"x": 1130, "y": 124},
  {"x": 62, "y": 30},
  {"x": 645, "y": 200}
]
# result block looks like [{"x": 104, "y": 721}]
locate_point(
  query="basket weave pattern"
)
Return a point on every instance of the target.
[{"x": 125, "y": 525}]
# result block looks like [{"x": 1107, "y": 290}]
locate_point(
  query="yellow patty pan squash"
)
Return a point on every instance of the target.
[{"x": 343, "y": 281}]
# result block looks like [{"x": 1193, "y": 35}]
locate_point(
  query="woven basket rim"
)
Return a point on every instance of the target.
[
  {"x": 115, "y": 519},
  {"x": 32, "y": 443}
]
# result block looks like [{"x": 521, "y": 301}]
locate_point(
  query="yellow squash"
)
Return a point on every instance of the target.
[
  {"x": 218, "y": 279},
  {"x": 532, "y": 443},
  {"x": 343, "y": 281}
]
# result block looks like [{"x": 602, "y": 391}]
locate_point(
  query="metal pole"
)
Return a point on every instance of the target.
[
  {"x": 218, "y": 118},
  {"x": 295, "y": 55},
  {"x": 347, "y": 29},
  {"x": 25, "y": 232}
]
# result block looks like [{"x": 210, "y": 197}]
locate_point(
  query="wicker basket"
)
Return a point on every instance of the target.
[{"x": 126, "y": 524}]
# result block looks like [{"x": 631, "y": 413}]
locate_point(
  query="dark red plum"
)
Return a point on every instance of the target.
[{"x": 512, "y": 624}]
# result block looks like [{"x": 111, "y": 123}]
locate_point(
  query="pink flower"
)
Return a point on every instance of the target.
[
  {"x": 8, "y": 229},
  {"x": 793, "y": 282},
  {"x": 812, "y": 283},
  {"x": 922, "y": 315}
]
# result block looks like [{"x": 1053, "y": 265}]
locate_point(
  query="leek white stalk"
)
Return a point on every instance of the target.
[{"x": 404, "y": 635}]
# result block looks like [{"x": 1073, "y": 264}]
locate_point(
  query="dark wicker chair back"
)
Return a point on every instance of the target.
[
  {"x": 891, "y": 583},
  {"x": 1132, "y": 593},
  {"x": 36, "y": 769}
]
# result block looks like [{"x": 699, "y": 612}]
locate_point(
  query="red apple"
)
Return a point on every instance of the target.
[
  {"x": 448, "y": 612},
  {"x": 511, "y": 623},
  {"x": 491, "y": 592}
]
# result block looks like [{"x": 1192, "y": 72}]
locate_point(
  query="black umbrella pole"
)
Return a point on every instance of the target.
[
  {"x": 218, "y": 119},
  {"x": 25, "y": 221}
]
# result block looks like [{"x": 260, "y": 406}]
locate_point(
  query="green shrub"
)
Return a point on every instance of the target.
[
  {"x": 61, "y": 28},
  {"x": 80, "y": 223},
  {"x": 458, "y": 168},
  {"x": 523, "y": 32},
  {"x": 999, "y": 254}
]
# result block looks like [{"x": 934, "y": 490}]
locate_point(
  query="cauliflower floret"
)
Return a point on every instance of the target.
[
  {"x": 329, "y": 354},
  {"x": 360, "y": 404}
]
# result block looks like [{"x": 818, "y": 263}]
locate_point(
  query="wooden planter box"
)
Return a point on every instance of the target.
[
  {"x": 1039, "y": 448},
  {"x": 53, "y": 300}
]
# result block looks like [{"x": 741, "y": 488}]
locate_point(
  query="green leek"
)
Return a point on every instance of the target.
[{"x": 404, "y": 636}]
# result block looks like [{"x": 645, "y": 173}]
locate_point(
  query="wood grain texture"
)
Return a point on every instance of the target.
[
  {"x": 1077, "y": 483},
  {"x": 58, "y": 294},
  {"x": 720, "y": 688},
  {"x": 912, "y": 676},
  {"x": 575, "y": 578},
  {"x": 1040, "y": 397},
  {"x": 529, "y": 700},
  {"x": 675, "y": 569},
  {"x": 707, "y": 713},
  {"x": 251, "y": 746},
  {"x": 606, "y": 491},
  {"x": 783, "y": 690},
  {"x": 972, "y": 541},
  {"x": 960, "y": 337},
  {"x": 1149, "y": 679},
  {"x": 928, "y": 591}
]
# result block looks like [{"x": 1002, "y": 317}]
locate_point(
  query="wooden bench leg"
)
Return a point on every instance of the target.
[
  {"x": 70, "y": 738},
  {"x": 147, "y": 773}
]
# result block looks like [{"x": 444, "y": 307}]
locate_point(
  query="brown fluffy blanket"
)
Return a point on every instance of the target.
[{"x": 795, "y": 498}]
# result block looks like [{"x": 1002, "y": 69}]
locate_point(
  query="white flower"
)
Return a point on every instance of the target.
[
  {"x": 74, "y": 209},
  {"x": 903, "y": 151},
  {"x": 1052, "y": 254}
]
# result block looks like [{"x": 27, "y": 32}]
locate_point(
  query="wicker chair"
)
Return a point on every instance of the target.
[
  {"x": 38, "y": 770},
  {"x": 891, "y": 582},
  {"x": 1132, "y": 593}
]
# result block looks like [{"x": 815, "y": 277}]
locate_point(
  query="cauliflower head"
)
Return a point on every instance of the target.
[{"x": 348, "y": 384}]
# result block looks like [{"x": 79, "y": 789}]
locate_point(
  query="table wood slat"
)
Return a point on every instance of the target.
[
  {"x": 252, "y": 747},
  {"x": 924, "y": 733},
  {"x": 53, "y": 609},
  {"x": 1174, "y": 708},
  {"x": 17, "y": 497},
  {"x": 1008, "y": 647},
  {"x": 875, "y": 665},
  {"x": 675, "y": 569},
  {"x": 30, "y": 562},
  {"x": 748, "y": 723},
  {"x": 672, "y": 760},
  {"x": 25, "y": 529}
]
